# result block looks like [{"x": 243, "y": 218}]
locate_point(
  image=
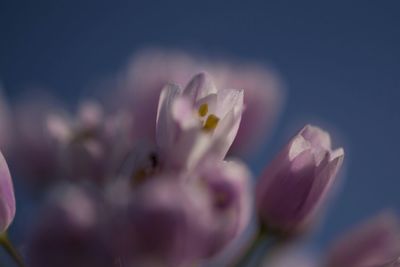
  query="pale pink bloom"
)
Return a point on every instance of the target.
[
  {"x": 263, "y": 100},
  {"x": 69, "y": 231},
  {"x": 90, "y": 144},
  {"x": 295, "y": 185},
  {"x": 142, "y": 82},
  {"x": 229, "y": 188},
  {"x": 159, "y": 221},
  {"x": 151, "y": 69},
  {"x": 196, "y": 121},
  {"x": 7, "y": 198},
  {"x": 374, "y": 243},
  {"x": 165, "y": 222}
]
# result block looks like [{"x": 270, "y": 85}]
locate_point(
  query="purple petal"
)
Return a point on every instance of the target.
[
  {"x": 374, "y": 243},
  {"x": 7, "y": 198},
  {"x": 325, "y": 177}
]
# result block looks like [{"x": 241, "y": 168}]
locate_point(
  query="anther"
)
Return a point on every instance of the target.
[
  {"x": 211, "y": 123},
  {"x": 203, "y": 110}
]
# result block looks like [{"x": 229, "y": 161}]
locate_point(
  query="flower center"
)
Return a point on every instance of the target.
[{"x": 211, "y": 122}]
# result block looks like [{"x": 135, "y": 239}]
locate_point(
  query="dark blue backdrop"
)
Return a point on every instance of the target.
[{"x": 340, "y": 60}]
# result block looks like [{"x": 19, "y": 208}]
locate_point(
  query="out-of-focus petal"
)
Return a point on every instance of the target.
[
  {"x": 374, "y": 243},
  {"x": 7, "y": 198}
]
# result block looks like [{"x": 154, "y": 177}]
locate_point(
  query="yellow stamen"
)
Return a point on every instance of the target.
[
  {"x": 203, "y": 110},
  {"x": 211, "y": 123}
]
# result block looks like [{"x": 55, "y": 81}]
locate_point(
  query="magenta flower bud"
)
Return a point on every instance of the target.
[
  {"x": 7, "y": 198},
  {"x": 374, "y": 243},
  {"x": 294, "y": 186}
]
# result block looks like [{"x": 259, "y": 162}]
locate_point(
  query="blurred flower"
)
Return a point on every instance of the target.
[
  {"x": 160, "y": 222},
  {"x": 165, "y": 223},
  {"x": 7, "y": 198},
  {"x": 295, "y": 184},
  {"x": 90, "y": 144},
  {"x": 69, "y": 232},
  {"x": 229, "y": 187},
  {"x": 375, "y": 243},
  {"x": 152, "y": 69},
  {"x": 395, "y": 263},
  {"x": 197, "y": 120},
  {"x": 34, "y": 153}
]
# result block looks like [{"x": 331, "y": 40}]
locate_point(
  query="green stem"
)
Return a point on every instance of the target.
[
  {"x": 8, "y": 246},
  {"x": 257, "y": 240}
]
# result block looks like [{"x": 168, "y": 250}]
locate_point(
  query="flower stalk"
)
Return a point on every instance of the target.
[
  {"x": 259, "y": 237},
  {"x": 11, "y": 250}
]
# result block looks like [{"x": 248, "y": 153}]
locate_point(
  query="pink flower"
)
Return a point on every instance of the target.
[
  {"x": 296, "y": 183},
  {"x": 263, "y": 100},
  {"x": 91, "y": 143},
  {"x": 230, "y": 190},
  {"x": 196, "y": 121},
  {"x": 7, "y": 198},
  {"x": 151, "y": 69},
  {"x": 374, "y": 243},
  {"x": 69, "y": 231},
  {"x": 182, "y": 218},
  {"x": 164, "y": 223}
]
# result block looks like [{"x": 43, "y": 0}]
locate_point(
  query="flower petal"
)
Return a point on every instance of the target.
[
  {"x": 200, "y": 86},
  {"x": 7, "y": 198},
  {"x": 166, "y": 126}
]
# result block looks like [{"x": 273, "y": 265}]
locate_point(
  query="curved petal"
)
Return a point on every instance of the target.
[
  {"x": 7, "y": 198},
  {"x": 166, "y": 126},
  {"x": 200, "y": 85}
]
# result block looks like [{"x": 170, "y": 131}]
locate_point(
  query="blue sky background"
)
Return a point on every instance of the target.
[{"x": 340, "y": 60}]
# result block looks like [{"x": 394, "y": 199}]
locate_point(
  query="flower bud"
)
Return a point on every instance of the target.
[{"x": 295, "y": 184}]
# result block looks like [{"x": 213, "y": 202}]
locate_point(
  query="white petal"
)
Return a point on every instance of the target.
[
  {"x": 166, "y": 127},
  {"x": 200, "y": 86},
  {"x": 229, "y": 99}
]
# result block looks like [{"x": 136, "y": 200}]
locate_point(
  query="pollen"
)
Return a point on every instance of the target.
[
  {"x": 203, "y": 110},
  {"x": 211, "y": 123}
]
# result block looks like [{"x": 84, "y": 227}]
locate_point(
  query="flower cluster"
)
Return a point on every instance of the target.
[{"x": 134, "y": 182}]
